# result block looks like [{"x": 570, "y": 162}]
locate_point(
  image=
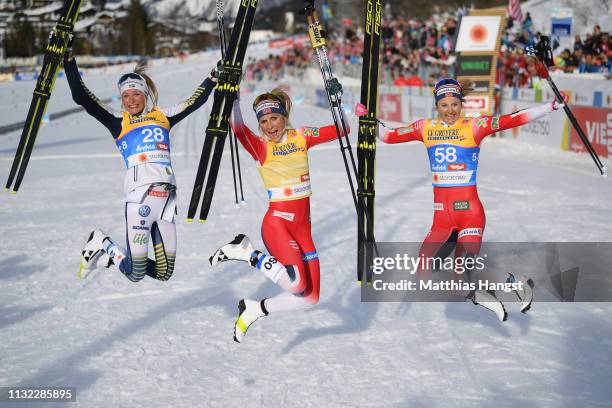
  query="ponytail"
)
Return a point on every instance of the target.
[{"x": 140, "y": 69}]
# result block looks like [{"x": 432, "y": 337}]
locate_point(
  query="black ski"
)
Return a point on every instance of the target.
[
  {"x": 59, "y": 39},
  {"x": 232, "y": 136},
  {"x": 218, "y": 125},
  {"x": 366, "y": 145}
]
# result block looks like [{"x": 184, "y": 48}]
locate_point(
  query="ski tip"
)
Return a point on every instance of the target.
[
  {"x": 189, "y": 219},
  {"x": 80, "y": 272}
]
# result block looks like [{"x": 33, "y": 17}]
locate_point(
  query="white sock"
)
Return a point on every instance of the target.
[
  {"x": 286, "y": 301},
  {"x": 114, "y": 251},
  {"x": 269, "y": 265}
]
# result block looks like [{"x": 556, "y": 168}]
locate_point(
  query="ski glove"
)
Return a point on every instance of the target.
[
  {"x": 541, "y": 69},
  {"x": 559, "y": 105},
  {"x": 360, "y": 109}
]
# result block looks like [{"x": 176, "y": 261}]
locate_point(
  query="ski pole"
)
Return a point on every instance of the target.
[{"x": 544, "y": 57}]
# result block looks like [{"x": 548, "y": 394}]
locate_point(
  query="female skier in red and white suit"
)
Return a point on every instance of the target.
[{"x": 282, "y": 156}]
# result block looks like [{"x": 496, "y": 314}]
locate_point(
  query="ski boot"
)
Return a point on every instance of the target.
[
  {"x": 93, "y": 255},
  {"x": 488, "y": 300},
  {"x": 248, "y": 312},
  {"x": 240, "y": 249},
  {"x": 526, "y": 294}
]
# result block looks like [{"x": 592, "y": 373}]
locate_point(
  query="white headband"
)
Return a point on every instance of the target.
[{"x": 133, "y": 83}]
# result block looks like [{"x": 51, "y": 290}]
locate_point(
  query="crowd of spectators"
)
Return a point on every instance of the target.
[{"x": 417, "y": 52}]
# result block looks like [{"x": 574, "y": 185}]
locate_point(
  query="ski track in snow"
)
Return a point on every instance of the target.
[{"x": 162, "y": 344}]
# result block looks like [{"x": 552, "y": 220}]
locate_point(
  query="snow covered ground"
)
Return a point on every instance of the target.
[{"x": 169, "y": 344}]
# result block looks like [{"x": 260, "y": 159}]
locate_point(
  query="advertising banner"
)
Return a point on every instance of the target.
[{"x": 478, "y": 33}]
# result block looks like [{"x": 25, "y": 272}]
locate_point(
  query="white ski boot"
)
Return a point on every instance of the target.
[
  {"x": 526, "y": 294},
  {"x": 488, "y": 300},
  {"x": 240, "y": 249},
  {"x": 92, "y": 254},
  {"x": 248, "y": 312}
]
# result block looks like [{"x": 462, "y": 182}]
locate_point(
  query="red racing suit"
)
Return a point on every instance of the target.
[
  {"x": 285, "y": 229},
  {"x": 453, "y": 156}
]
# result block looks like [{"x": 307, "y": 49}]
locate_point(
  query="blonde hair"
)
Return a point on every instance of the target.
[
  {"x": 277, "y": 94},
  {"x": 141, "y": 69}
]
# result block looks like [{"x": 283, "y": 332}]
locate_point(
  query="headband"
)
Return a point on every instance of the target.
[
  {"x": 447, "y": 87},
  {"x": 268, "y": 106},
  {"x": 132, "y": 80}
]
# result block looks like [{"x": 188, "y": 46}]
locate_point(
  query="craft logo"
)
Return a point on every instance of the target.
[
  {"x": 305, "y": 177},
  {"x": 284, "y": 215},
  {"x": 163, "y": 146},
  {"x": 144, "y": 211},
  {"x": 438, "y": 206}
]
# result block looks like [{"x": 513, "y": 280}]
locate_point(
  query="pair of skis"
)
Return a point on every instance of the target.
[
  {"x": 366, "y": 142},
  {"x": 59, "y": 40},
  {"x": 232, "y": 136},
  {"x": 363, "y": 194},
  {"x": 226, "y": 92}
]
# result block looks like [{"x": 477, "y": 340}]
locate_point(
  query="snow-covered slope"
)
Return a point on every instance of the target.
[{"x": 169, "y": 344}]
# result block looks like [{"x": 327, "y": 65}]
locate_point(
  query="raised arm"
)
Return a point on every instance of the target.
[
  {"x": 180, "y": 111},
  {"x": 253, "y": 144},
  {"x": 484, "y": 126},
  {"x": 84, "y": 97},
  {"x": 411, "y": 133},
  {"x": 315, "y": 136}
]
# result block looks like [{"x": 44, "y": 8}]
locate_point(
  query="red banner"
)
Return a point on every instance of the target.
[
  {"x": 390, "y": 107},
  {"x": 285, "y": 42},
  {"x": 597, "y": 126}
]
